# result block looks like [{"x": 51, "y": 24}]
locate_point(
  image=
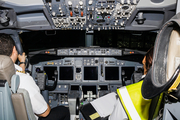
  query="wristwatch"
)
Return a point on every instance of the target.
[{"x": 22, "y": 63}]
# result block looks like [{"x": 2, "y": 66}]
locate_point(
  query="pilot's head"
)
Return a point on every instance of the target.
[
  {"x": 147, "y": 61},
  {"x": 7, "y": 47}
]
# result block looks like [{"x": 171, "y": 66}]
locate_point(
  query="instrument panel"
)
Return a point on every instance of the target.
[
  {"x": 88, "y": 69},
  {"x": 81, "y": 79}
]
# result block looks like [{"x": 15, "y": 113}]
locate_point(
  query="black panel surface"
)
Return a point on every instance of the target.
[
  {"x": 111, "y": 73},
  {"x": 127, "y": 72},
  {"x": 50, "y": 72},
  {"x": 66, "y": 73},
  {"x": 90, "y": 73}
]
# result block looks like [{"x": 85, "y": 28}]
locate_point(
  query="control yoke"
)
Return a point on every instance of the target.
[
  {"x": 53, "y": 87},
  {"x": 16, "y": 39}
]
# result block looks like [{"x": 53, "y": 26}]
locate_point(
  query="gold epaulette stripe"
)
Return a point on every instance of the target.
[
  {"x": 175, "y": 84},
  {"x": 94, "y": 116},
  {"x": 20, "y": 71}
]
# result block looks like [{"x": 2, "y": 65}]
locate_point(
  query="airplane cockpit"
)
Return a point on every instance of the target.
[{"x": 80, "y": 50}]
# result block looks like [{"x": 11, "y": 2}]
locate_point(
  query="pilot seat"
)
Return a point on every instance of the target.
[{"x": 14, "y": 103}]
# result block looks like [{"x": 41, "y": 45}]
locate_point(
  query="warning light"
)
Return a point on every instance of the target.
[
  {"x": 131, "y": 52},
  {"x": 47, "y": 52},
  {"x": 71, "y": 13},
  {"x": 108, "y": 16},
  {"x": 81, "y": 13}
]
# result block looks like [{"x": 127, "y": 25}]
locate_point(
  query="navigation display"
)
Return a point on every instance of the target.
[
  {"x": 90, "y": 73},
  {"x": 66, "y": 73}
]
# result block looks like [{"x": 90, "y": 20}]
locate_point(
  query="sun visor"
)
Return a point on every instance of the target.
[{"x": 166, "y": 60}]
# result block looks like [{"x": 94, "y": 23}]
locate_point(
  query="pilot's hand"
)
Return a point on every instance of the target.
[{"x": 22, "y": 59}]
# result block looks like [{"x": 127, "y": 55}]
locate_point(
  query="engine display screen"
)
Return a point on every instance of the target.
[
  {"x": 50, "y": 72},
  {"x": 66, "y": 73},
  {"x": 90, "y": 73},
  {"x": 111, "y": 73}
]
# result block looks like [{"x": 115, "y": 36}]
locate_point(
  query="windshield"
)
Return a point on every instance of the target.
[{"x": 39, "y": 40}]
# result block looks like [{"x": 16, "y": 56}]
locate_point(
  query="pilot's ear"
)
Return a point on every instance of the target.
[
  {"x": 14, "y": 54},
  {"x": 14, "y": 51}
]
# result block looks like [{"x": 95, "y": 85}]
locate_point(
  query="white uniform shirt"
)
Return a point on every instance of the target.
[{"x": 39, "y": 105}]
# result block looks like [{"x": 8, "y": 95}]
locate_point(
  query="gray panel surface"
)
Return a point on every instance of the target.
[
  {"x": 171, "y": 111},
  {"x": 178, "y": 6},
  {"x": 25, "y": 2},
  {"x": 2, "y": 106},
  {"x": 32, "y": 20},
  {"x": 149, "y": 4}
]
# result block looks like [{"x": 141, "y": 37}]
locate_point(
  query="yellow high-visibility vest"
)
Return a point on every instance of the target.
[{"x": 136, "y": 107}]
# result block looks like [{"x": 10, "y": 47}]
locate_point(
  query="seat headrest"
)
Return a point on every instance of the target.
[
  {"x": 7, "y": 69},
  {"x": 166, "y": 61}
]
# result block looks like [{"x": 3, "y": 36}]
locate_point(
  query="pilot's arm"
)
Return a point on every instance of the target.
[{"x": 46, "y": 113}]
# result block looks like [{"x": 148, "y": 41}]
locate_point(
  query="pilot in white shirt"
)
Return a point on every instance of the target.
[{"x": 39, "y": 105}]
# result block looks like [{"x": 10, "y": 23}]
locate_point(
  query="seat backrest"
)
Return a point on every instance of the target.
[
  {"x": 28, "y": 105},
  {"x": 18, "y": 100},
  {"x": 6, "y": 71},
  {"x": 12, "y": 103},
  {"x": 173, "y": 61}
]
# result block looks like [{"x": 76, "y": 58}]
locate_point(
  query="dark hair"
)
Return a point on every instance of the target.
[
  {"x": 149, "y": 58},
  {"x": 6, "y": 44}
]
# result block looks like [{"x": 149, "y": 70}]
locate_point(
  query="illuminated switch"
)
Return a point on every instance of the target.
[
  {"x": 90, "y": 2},
  {"x": 69, "y": 3},
  {"x": 53, "y": 13},
  {"x": 80, "y": 3}
]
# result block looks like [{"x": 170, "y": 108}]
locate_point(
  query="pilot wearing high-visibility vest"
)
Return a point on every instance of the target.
[{"x": 126, "y": 104}]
